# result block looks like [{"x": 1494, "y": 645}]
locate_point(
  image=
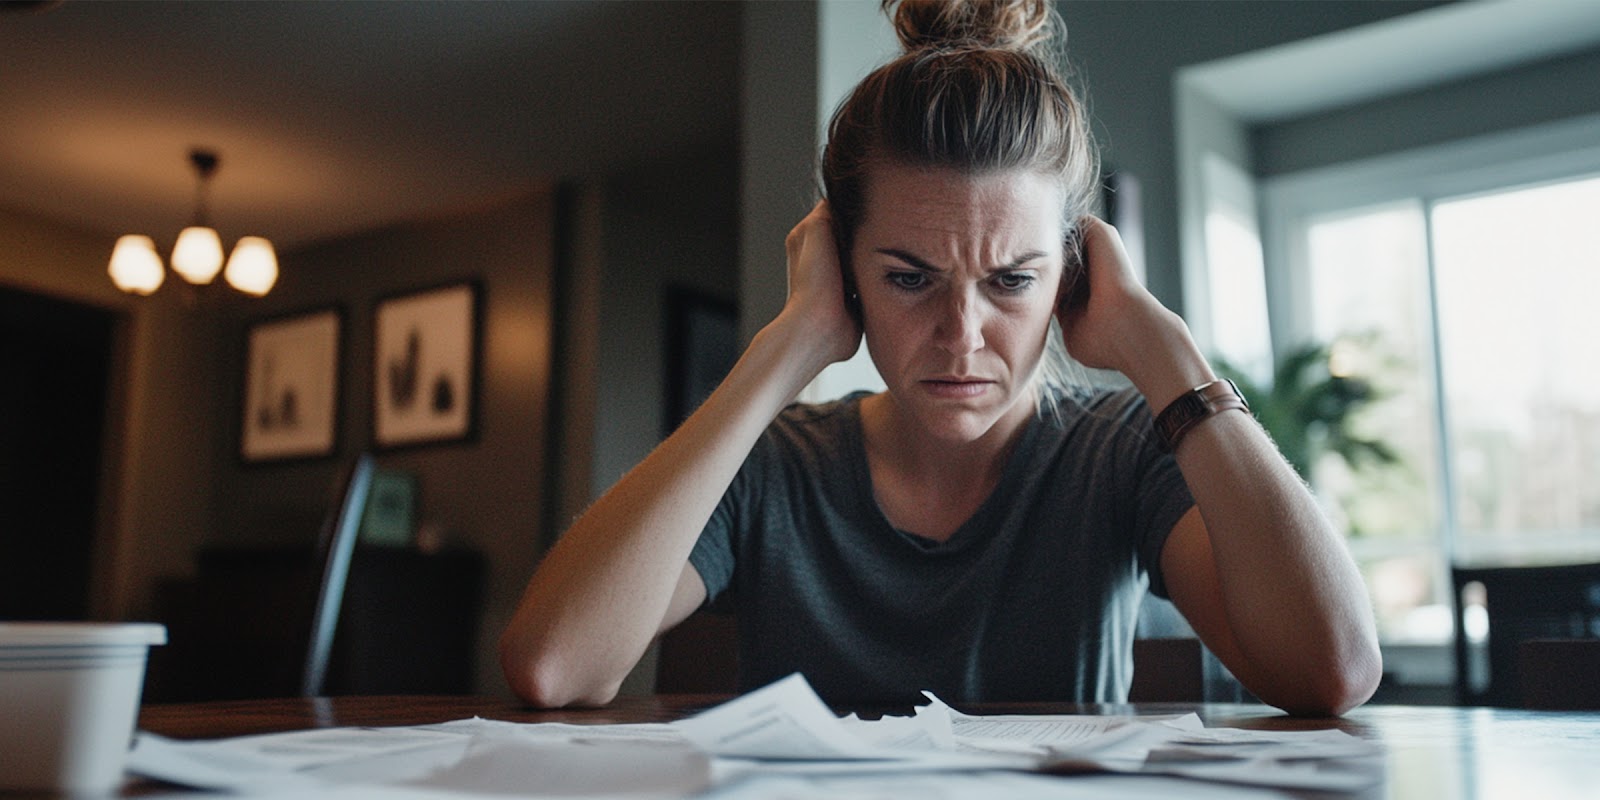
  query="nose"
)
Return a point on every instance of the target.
[{"x": 960, "y": 327}]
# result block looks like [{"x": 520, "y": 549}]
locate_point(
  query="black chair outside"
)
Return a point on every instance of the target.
[
  {"x": 1560, "y": 674},
  {"x": 1523, "y": 603}
]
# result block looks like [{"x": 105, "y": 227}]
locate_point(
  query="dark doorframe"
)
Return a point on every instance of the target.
[{"x": 56, "y": 358}]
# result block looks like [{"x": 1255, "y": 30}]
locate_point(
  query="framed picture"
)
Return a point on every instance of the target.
[
  {"x": 425, "y": 366},
  {"x": 702, "y": 345},
  {"x": 291, "y": 387}
]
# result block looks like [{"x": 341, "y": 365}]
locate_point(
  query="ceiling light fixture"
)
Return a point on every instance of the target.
[{"x": 197, "y": 255}]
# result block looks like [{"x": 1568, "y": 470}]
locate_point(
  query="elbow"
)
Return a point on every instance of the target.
[
  {"x": 543, "y": 680},
  {"x": 1332, "y": 692}
]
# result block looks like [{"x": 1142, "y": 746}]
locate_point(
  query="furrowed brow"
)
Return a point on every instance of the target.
[
  {"x": 1016, "y": 263},
  {"x": 919, "y": 264},
  {"x": 909, "y": 259}
]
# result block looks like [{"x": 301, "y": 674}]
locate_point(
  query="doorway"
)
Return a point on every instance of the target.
[{"x": 55, "y": 359}]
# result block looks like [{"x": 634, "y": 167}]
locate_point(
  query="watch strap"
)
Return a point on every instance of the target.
[{"x": 1195, "y": 406}]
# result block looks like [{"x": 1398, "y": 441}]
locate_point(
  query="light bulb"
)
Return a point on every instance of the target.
[
  {"x": 198, "y": 254},
  {"x": 253, "y": 267},
  {"x": 135, "y": 267}
]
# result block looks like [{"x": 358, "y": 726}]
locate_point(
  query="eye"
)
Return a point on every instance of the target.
[
  {"x": 1014, "y": 282},
  {"x": 906, "y": 280}
]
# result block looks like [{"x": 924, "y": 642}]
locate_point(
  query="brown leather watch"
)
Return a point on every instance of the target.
[{"x": 1195, "y": 405}]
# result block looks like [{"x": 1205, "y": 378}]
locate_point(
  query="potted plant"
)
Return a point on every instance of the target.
[{"x": 1308, "y": 407}]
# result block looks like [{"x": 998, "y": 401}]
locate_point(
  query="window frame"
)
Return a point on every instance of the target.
[{"x": 1521, "y": 158}]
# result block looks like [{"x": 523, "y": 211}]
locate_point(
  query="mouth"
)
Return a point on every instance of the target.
[{"x": 949, "y": 387}]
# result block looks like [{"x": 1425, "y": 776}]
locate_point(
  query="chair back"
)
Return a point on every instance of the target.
[
  {"x": 1560, "y": 674},
  {"x": 1523, "y": 603},
  {"x": 699, "y": 656},
  {"x": 338, "y": 542}
]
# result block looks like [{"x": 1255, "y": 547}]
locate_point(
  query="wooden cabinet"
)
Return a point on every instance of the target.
[{"x": 240, "y": 629}]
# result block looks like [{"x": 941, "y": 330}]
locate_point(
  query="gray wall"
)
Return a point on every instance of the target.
[
  {"x": 778, "y": 120},
  {"x": 1127, "y": 53},
  {"x": 673, "y": 223},
  {"x": 1536, "y": 93}
]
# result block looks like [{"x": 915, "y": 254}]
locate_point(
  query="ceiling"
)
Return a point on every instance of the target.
[
  {"x": 1437, "y": 45},
  {"x": 336, "y": 117}
]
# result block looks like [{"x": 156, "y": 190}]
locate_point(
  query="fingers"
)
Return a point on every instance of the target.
[
  {"x": 817, "y": 301},
  {"x": 797, "y": 235},
  {"x": 1105, "y": 265},
  {"x": 1101, "y": 242}
]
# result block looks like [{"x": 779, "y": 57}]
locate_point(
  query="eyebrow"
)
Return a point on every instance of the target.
[{"x": 924, "y": 266}]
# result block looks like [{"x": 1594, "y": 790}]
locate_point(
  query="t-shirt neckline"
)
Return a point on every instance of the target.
[{"x": 973, "y": 528}]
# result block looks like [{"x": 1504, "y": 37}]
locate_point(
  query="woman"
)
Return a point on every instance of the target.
[{"x": 977, "y": 529}]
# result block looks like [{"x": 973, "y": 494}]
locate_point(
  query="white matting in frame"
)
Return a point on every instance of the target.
[
  {"x": 291, "y": 394},
  {"x": 424, "y": 365}
]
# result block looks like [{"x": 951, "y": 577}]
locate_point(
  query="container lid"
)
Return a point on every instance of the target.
[{"x": 59, "y": 634}]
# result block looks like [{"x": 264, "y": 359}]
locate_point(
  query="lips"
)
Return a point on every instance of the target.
[{"x": 956, "y": 387}]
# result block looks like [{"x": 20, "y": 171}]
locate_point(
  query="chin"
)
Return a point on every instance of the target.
[{"x": 958, "y": 425}]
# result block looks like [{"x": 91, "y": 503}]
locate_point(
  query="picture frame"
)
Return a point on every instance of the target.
[
  {"x": 425, "y": 366},
  {"x": 290, "y": 405},
  {"x": 702, "y": 346}
]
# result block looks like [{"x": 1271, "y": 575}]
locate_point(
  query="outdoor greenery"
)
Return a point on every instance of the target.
[{"x": 1307, "y": 409}]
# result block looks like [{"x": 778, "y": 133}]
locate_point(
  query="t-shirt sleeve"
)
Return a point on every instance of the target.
[
  {"x": 1161, "y": 495},
  {"x": 714, "y": 553}
]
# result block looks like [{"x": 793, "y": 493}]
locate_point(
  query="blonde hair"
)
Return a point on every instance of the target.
[{"x": 979, "y": 88}]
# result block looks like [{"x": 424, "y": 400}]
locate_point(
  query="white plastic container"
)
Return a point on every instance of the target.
[{"x": 69, "y": 700}]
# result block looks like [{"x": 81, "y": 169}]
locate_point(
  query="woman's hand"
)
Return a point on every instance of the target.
[
  {"x": 1104, "y": 321},
  {"x": 816, "y": 303},
  {"x": 1117, "y": 324}
]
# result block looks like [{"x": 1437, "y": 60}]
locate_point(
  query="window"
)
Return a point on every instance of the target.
[{"x": 1461, "y": 283}]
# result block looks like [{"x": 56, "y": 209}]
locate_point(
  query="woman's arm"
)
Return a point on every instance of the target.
[
  {"x": 620, "y": 575},
  {"x": 1256, "y": 567}
]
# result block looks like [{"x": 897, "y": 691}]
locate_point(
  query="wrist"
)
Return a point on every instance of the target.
[
  {"x": 1195, "y": 406},
  {"x": 792, "y": 351},
  {"x": 1163, "y": 361}
]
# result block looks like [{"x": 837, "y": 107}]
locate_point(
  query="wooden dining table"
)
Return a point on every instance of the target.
[{"x": 1429, "y": 751}]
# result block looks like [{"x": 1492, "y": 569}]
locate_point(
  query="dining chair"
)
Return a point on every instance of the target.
[
  {"x": 335, "y": 546},
  {"x": 1559, "y": 674},
  {"x": 1522, "y": 603},
  {"x": 699, "y": 656}
]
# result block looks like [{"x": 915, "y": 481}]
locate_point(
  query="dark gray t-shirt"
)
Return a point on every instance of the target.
[{"x": 1034, "y": 598}]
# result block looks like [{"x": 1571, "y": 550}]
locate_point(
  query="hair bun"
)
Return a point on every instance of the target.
[{"x": 1021, "y": 25}]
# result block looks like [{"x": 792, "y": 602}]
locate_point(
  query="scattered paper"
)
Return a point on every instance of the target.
[
  {"x": 778, "y": 742},
  {"x": 786, "y": 728},
  {"x": 528, "y": 763},
  {"x": 296, "y": 758},
  {"x": 783, "y": 720}
]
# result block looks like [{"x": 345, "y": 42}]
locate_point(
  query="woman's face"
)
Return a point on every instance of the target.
[{"x": 958, "y": 277}]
